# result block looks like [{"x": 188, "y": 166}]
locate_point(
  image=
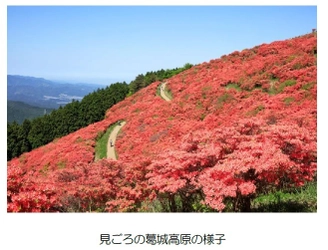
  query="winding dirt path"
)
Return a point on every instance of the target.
[
  {"x": 112, "y": 139},
  {"x": 113, "y": 135},
  {"x": 163, "y": 94}
]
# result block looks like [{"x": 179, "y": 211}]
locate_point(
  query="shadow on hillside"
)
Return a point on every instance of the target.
[{"x": 286, "y": 206}]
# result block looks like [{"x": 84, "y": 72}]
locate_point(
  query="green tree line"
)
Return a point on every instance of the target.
[
  {"x": 142, "y": 80},
  {"x": 63, "y": 121},
  {"x": 37, "y": 132}
]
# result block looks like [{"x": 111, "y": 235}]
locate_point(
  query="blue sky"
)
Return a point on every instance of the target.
[{"x": 104, "y": 44}]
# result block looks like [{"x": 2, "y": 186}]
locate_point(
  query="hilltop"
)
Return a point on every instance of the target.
[{"x": 235, "y": 127}]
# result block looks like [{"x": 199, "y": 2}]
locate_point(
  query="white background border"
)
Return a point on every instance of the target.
[{"x": 243, "y": 231}]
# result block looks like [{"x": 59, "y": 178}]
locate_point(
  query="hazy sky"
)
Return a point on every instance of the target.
[{"x": 104, "y": 44}]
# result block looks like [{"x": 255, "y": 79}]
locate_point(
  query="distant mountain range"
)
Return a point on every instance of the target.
[
  {"x": 40, "y": 92},
  {"x": 30, "y": 97}
]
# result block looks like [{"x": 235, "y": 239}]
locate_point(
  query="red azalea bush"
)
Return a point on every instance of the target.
[{"x": 235, "y": 162}]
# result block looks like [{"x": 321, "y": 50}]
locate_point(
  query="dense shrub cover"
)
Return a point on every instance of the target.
[{"x": 237, "y": 126}]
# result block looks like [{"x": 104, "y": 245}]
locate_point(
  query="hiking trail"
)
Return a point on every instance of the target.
[
  {"x": 163, "y": 93},
  {"x": 112, "y": 137}
]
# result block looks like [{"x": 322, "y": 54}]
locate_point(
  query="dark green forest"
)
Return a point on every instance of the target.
[
  {"x": 19, "y": 111},
  {"x": 33, "y": 133}
]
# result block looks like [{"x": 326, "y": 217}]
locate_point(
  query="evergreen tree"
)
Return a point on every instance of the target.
[
  {"x": 22, "y": 136},
  {"x": 137, "y": 84},
  {"x": 13, "y": 145}
]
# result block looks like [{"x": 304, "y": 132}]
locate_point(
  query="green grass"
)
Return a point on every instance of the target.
[
  {"x": 233, "y": 86},
  {"x": 289, "y": 100},
  {"x": 303, "y": 199},
  {"x": 285, "y": 84},
  {"x": 61, "y": 164},
  {"x": 225, "y": 98},
  {"x": 168, "y": 93},
  {"x": 101, "y": 144},
  {"x": 308, "y": 86},
  {"x": 255, "y": 111},
  {"x": 199, "y": 104},
  {"x": 276, "y": 90},
  {"x": 202, "y": 116},
  {"x": 158, "y": 90}
]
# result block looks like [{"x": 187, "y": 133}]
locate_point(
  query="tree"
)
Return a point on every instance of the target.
[
  {"x": 13, "y": 144},
  {"x": 23, "y": 136},
  {"x": 137, "y": 84}
]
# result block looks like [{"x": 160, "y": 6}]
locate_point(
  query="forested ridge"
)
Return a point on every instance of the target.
[
  {"x": 19, "y": 111},
  {"x": 77, "y": 114},
  {"x": 236, "y": 129}
]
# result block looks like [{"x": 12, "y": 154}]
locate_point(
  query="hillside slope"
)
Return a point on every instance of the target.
[
  {"x": 236, "y": 127},
  {"x": 19, "y": 111}
]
